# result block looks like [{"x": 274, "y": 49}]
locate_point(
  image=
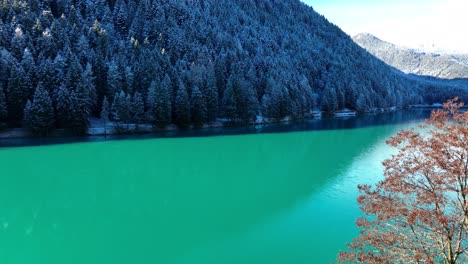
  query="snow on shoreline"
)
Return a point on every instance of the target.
[{"x": 97, "y": 128}]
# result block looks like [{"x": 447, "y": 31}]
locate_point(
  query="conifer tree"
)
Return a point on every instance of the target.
[
  {"x": 159, "y": 103},
  {"x": 82, "y": 105},
  {"x": 128, "y": 108},
  {"x": 361, "y": 103},
  {"x": 114, "y": 83},
  {"x": 83, "y": 50},
  {"x": 275, "y": 102},
  {"x": 64, "y": 107},
  {"x": 18, "y": 88},
  {"x": 6, "y": 63},
  {"x": 182, "y": 108},
  {"x": 18, "y": 43},
  {"x": 247, "y": 104},
  {"x": 164, "y": 101},
  {"x": 120, "y": 109},
  {"x": 115, "y": 107},
  {"x": 198, "y": 110},
  {"x": 39, "y": 114},
  {"x": 129, "y": 80},
  {"x": 229, "y": 102},
  {"x": 27, "y": 114},
  {"x": 211, "y": 94},
  {"x": 87, "y": 85},
  {"x": 150, "y": 102},
  {"x": 120, "y": 17},
  {"x": 105, "y": 113},
  {"x": 73, "y": 109},
  {"x": 74, "y": 71},
  {"x": 329, "y": 99},
  {"x": 138, "y": 109},
  {"x": 3, "y": 108},
  {"x": 29, "y": 66},
  {"x": 47, "y": 72}
]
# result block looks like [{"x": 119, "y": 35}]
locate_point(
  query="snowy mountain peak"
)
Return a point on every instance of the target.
[{"x": 415, "y": 61}]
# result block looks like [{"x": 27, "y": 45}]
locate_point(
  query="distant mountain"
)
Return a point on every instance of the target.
[
  {"x": 446, "y": 66},
  {"x": 186, "y": 63}
]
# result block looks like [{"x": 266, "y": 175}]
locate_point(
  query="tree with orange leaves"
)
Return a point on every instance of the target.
[{"x": 419, "y": 212}]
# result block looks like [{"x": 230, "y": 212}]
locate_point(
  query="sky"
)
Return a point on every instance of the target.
[{"x": 430, "y": 25}]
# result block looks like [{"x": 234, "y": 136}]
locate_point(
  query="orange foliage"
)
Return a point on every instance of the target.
[{"x": 419, "y": 212}]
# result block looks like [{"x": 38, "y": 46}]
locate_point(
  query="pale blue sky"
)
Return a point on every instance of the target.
[{"x": 432, "y": 25}]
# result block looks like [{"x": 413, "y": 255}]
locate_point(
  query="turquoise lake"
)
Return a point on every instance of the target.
[{"x": 246, "y": 198}]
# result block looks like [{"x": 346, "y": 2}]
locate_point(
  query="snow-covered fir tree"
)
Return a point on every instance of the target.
[
  {"x": 39, "y": 114},
  {"x": 120, "y": 109},
  {"x": 19, "y": 86},
  {"x": 198, "y": 107},
  {"x": 182, "y": 107},
  {"x": 211, "y": 94},
  {"x": 161, "y": 102},
  {"x": 138, "y": 109}
]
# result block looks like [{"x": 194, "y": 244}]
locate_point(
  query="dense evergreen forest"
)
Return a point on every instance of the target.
[{"x": 184, "y": 62}]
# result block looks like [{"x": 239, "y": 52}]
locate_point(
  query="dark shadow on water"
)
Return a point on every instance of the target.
[{"x": 326, "y": 123}]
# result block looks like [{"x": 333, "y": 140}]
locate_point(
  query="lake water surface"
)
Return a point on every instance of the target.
[{"x": 252, "y": 198}]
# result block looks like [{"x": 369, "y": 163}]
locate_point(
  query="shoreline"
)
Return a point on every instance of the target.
[{"x": 97, "y": 128}]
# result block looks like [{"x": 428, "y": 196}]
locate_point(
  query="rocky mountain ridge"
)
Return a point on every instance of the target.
[{"x": 445, "y": 66}]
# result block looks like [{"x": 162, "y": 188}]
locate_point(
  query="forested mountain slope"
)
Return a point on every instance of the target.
[
  {"x": 447, "y": 66},
  {"x": 183, "y": 62}
]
